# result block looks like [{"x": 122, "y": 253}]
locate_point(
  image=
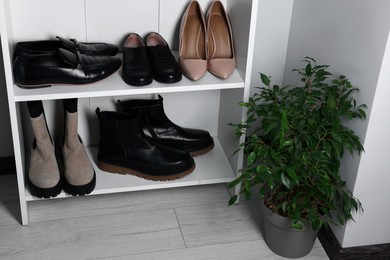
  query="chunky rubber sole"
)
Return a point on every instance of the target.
[
  {"x": 45, "y": 193},
  {"x": 80, "y": 190},
  {"x": 202, "y": 151},
  {"x": 126, "y": 171}
]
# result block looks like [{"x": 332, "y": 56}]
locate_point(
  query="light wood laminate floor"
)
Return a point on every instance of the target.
[{"x": 191, "y": 223}]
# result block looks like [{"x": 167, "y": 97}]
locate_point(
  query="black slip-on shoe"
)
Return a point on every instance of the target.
[
  {"x": 64, "y": 67},
  {"x": 136, "y": 70},
  {"x": 165, "y": 67}
]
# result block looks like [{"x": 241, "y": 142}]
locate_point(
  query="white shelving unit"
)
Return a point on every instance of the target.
[{"x": 209, "y": 103}]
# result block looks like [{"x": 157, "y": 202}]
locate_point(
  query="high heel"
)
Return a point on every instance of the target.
[
  {"x": 220, "y": 47},
  {"x": 192, "y": 47}
]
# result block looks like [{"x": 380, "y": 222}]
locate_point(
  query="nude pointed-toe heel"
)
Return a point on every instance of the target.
[
  {"x": 220, "y": 47},
  {"x": 192, "y": 47}
]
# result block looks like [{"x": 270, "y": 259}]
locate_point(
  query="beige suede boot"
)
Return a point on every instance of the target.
[
  {"x": 44, "y": 179},
  {"x": 79, "y": 174}
]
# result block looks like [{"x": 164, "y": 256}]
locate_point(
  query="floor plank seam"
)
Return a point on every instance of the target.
[
  {"x": 144, "y": 232},
  {"x": 36, "y": 219},
  {"x": 205, "y": 204},
  {"x": 228, "y": 243},
  {"x": 181, "y": 231}
]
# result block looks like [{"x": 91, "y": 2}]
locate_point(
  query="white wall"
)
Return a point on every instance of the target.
[
  {"x": 372, "y": 182},
  {"x": 351, "y": 36},
  {"x": 6, "y": 148},
  {"x": 272, "y": 32}
]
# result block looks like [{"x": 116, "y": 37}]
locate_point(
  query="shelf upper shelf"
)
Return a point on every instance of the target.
[{"x": 115, "y": 86}]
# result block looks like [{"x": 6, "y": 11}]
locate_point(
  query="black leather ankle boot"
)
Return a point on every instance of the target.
[
  {"x": 124, "y": 149},
  {"x": 157, "y": 125}
]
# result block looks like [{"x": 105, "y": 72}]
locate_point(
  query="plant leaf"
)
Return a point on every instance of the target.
[
  {"x": 265, "y": 79},
  {"x": 251, "y": 158},
  {"x": 243, "y": 104},
  {"x": 234, "y": 182},
  {"x": 291, "y": 173},
  {"x": 308, "y": 69},
  {"x": 297, "y": 225},
  {"x": 285, "y": 180},
  {"x": 233, "y": 199}
]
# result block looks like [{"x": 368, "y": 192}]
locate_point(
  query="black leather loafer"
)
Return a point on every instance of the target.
[
  {"x": 165, "y": 67},
  {"x": 136, "y": 70},
  {"x": 64, "y": 67},
  {"x": 52, "y": 46}
]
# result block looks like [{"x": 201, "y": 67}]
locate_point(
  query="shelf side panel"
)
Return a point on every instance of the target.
[
  {"x": 14, "y": 109},
  {"x": 230, "y": 113},
  {"x": 242, "y": 17},
  {"x": 243, "y": 14}
]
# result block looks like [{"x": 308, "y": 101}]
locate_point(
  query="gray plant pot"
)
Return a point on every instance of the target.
[{"x": 284, "y": 240}]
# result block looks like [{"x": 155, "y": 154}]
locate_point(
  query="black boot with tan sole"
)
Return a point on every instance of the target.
[{"x": 124, "y": 149}]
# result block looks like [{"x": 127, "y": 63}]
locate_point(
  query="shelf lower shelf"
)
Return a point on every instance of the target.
[{"x": 211, "y": 168}]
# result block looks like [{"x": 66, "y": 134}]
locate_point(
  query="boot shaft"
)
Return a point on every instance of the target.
[
  {"x": 42, "y": 139},
  {"x": 79, "y": 175},
  {"x": 120, "y": 132},
  {"x": 38, "y": 121},
  {"x": 156, "y": 124},
  {"x": 71, "y": 136},
  {"x": 152, "y": 114},
  {"x": 70, "y": 133}
]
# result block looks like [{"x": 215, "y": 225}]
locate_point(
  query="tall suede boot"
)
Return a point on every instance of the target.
[
  {"x": 124, "y": 149},
  {"x": 80, "y": 177},
  {"x": 44, "y": 179},
  {"x": 157, "y": 125}
]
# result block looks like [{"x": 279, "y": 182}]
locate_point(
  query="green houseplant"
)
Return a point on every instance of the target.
[{"x": 295, "y": 140}]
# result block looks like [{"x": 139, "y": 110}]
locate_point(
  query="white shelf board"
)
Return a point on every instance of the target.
[
  {"x": 211, "y": 168},
  {"x": 115, "y": 86}
]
